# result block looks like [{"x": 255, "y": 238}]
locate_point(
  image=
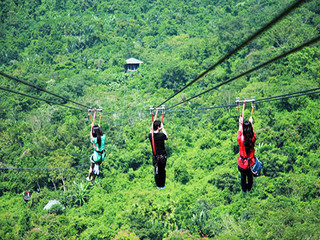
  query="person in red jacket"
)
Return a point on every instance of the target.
[
  {"x": 246, "y": 139},
  {"x": 27, "y": 196}
]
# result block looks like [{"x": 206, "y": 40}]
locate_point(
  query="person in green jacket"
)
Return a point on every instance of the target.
[{"x": 98, "y": 140}]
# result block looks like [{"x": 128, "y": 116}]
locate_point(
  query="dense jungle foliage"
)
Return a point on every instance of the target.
[{"x": 78, "y": 48}]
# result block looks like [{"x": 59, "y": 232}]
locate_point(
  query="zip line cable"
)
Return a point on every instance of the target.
[
  {"x": 243, "y": 44},
  {"x": 286, "y": 97},
  {"x": 42, "y": 168},
  {"x": 40, "y": 99},
  {"x": 312, "y": 41},
  {"x": 283, "y": 95},
  {"x": 257, "y": 101},
  {"x": 262, "y": 100},
  {"x": 41, "y": 89},
  {"x": 42, "y": 149}
]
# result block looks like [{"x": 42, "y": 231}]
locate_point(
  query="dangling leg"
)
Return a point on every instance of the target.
[
  {"x": 162, "y": 171},
  {"x": 156, "y": 170},
  {"x": 250, "y": 181},
  {"x": 243, "y": 179},
  {"x": 90, "y": 170},
  {"x": 157, "y": 175},
  {"x": 94, "y": 175},
  {"x": 243, "y": 183}
]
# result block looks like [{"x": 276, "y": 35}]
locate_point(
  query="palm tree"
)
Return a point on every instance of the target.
[
  {"x": 81, "y": 192},
  {"x": 201, "y": 215}
]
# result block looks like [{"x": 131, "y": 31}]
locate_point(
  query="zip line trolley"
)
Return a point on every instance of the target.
[
  {"x": 94, "y": 111},
  {"x": 238, "y": 102}
]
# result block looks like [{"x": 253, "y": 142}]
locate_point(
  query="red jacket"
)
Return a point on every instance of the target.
[{"x": 243, "y": 163}]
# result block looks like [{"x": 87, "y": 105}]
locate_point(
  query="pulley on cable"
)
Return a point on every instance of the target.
[
  {"x": 238, "y": 101},
  {"x": 94, "y": 111}
]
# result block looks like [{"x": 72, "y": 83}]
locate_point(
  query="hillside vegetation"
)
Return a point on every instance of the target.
[{"x": 78, "y": 48}]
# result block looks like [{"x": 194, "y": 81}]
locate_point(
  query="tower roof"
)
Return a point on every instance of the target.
[{"x": 133, "y": 61}]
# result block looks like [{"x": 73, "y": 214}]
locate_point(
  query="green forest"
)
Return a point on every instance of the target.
[{"x": 77, "y": 49}]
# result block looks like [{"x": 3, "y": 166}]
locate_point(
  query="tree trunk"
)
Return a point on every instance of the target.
[
  {"x": 64, "y": 186},
  {"x": 55, "y": 187},
  {"x": 38, "y": 184}
]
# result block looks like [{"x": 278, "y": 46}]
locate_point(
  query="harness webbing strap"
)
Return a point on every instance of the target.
[
  {"x": 93, "y": 143},
  {"x": 152, "y": 133},
  {"x": 246, "y": 158},
  {"x": 155, "y": 117},
  {"x": 244, "y": 104},
  {"x": 101, "y": 152},
  {"x": 94, "y": 117},
  {"x": 152, "y": 130},
  {"x": 152, "y": 142}
]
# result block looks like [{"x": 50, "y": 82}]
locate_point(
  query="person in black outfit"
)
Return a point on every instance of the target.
[{"x": 159, "y": 157}]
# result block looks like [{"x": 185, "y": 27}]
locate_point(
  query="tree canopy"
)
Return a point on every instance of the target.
[{"x": 77, "y": 49}]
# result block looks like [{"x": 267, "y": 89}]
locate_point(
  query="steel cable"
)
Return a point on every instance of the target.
[
  {"x": 243, "y": 44},
  {"x": 312, "y": 41},
  {"x": 40, "y": 99},
  {"x": 41, "y": 89}
]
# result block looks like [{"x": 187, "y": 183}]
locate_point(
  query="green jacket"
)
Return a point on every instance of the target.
[{"x": 96, "y": 156}]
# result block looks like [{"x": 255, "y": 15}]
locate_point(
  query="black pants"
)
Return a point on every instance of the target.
[
  {"x": 159, "y": 163},
  {"x": 246, "y": 174}
]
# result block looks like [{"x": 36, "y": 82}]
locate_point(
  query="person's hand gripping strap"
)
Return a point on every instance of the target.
[
  {"x": 152, "y": 130},
  {"x": 243, "y": 106},
  {"x": 162, "y": 114},
  {"x": 238, "y": 106},
  {"x": 252, "y": 107},
  {"x": 92, "y": 124}
]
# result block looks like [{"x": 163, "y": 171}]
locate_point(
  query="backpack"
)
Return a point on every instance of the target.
[{"x": 256, "y": 167}]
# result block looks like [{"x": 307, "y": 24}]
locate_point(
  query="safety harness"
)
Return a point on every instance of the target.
[{"x": 246, "y": 158}]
